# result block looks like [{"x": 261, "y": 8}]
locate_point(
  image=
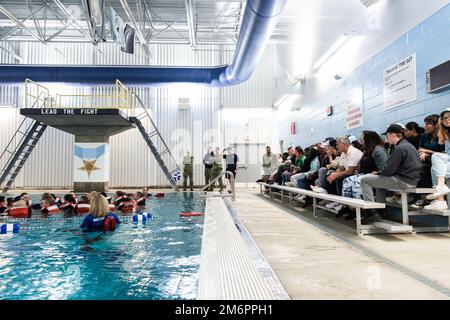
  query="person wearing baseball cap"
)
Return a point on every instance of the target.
[
  {"x": 402, "y": 171},
  {"x": 440, "y": 165}
]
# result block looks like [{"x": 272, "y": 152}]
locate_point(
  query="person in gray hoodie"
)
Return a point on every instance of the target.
[{"x": 402, "y": 171}]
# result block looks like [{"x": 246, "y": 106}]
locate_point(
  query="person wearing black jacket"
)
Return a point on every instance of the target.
[{"x": 402, "y": 171}]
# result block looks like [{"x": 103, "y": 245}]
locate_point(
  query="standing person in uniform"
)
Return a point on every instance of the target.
[
  {"x": 216, "y": 160},
  {"x": 188, "y": 162},
  {"x": 208, "y": 166},
  {"x": 269, "y": 163}
]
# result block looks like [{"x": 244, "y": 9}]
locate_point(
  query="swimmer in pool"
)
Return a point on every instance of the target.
[{"x": 99, "y": 217}]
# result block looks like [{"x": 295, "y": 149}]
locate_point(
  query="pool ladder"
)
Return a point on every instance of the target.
[{"x": 232, "y": 184}]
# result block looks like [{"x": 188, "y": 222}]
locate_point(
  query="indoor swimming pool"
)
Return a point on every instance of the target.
[{"x": 51, "y": 258}]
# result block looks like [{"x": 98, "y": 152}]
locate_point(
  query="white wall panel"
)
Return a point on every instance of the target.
[{"x": 259, "y": 90}]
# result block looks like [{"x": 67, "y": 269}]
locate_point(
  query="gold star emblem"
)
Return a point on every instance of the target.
[{"x": 89, "y": 167}]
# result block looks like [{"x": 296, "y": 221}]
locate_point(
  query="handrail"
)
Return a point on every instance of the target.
[
  {"x": 21, "y": 139},
  {"x": 153, "y": 124},
  {"x": 232, "y": 184},
  {"x": 45, "y": 90}
]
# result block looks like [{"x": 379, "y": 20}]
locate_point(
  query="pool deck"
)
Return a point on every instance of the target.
[{"x": 323, "y": 258}]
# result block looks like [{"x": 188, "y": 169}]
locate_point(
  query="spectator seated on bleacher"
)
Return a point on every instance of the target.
[
  {"x": 428, "y": 145},
  {"x": 282, "y": 160},
  {"x": 296, "y": 166},
  {"x": 348, "y": 163},
  {"x": 329, "y": 164},
  {"x": 402, "y": 171},
  {"x": 374, "y": 159},
  {"x": 305, "y": 179},
  {"x": 413, "y": 133},
  {"x": 440, "y": 169},
  {"x": 283, "y": 167}
]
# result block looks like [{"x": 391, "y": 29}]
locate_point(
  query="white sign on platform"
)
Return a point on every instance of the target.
[
  {"x": 355, "y": 110},
  {"x": 400, "y": 85},
  {"x": 91, "y": 162}
]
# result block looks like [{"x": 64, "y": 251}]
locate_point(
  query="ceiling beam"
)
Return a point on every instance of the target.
[
  {"x": 13, "y": 18},
  {"x": 74, "y": 21},
  {"x": 190, "y": 15}
]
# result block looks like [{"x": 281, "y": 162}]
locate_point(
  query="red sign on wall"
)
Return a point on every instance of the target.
[{"x": 293, "y": 128}]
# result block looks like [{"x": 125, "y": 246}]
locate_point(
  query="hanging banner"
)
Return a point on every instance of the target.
[
  {"x": 400, "y": 84},
  {"x": 91, "y": 162},
  {"x": 355, "y": 110}
]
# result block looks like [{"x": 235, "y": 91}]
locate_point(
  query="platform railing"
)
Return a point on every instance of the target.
[
  {"x": 36, "y": 95},
  {"x": 120, "y": 98}
]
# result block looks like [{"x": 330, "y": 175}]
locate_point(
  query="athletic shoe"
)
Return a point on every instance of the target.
[
  {"x": 441, "y": 190},
  {"x": 331, "y": 205},
  {"x": 437, "y": 205},
  {"x": 319, "y": 190},
  {"x": 322, "y": 202},
  {"x": 289, "y": 184},
  {"x": 300, "y": 197},
  {"x": 338, "y": 207},
  {"x": 418, "y": 205},
  {"x": 430, "y": 196},
  {"x": 394, "y": 199}
]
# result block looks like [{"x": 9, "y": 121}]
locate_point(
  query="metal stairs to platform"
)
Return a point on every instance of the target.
[
  {"x": 28, "y": 135},
  {"x": 153, "y": 138}
]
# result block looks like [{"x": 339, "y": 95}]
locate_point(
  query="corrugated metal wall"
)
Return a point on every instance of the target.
[{"x": 132, "y": 164}]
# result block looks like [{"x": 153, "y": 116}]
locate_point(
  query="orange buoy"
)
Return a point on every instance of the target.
[
  {"x": 190, "y": 214},
  {"x": 159, "y": 195}
]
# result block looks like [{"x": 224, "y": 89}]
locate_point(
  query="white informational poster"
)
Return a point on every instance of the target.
[
  {"x": 400, "y": 85},
  {"x": 91, "y": 162},
  {"x": 355, "y": 108}
]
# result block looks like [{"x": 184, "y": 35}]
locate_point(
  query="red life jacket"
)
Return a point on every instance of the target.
[
  {"x": 67, "y": 205},
  {"x": 82, "y": 208},
  {"x": 118, "y": 199},
  {"x": 19, "y": 212},
  {"x": 109, "y": 224},
  {"x": 50, "y": 209},
  {"x": 127, "y": 206},
  {"x": 140, "y": 201}
]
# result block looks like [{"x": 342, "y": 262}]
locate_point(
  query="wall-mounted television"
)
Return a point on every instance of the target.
[{"x": 438, "y": 78}]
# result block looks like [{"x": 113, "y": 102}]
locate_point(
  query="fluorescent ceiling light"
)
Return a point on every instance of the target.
[{"x": 332, "y": 51}]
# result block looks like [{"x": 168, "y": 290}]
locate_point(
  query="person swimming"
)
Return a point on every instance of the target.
[{"x": 99, "y": 217}]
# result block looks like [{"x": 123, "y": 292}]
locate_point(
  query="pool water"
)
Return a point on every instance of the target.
[{"x": 52, "y": 259}]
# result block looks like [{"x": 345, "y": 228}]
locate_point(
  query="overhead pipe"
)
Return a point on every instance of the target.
[{"x": 260, "y": 17}]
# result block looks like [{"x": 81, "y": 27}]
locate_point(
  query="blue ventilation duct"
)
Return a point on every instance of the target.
[{"x": 258, "y": 22}]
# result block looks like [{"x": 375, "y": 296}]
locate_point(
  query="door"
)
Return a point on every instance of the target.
[{"x": 250, "y": 161}]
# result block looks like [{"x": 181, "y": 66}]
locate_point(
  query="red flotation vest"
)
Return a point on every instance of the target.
[
  {"x": 50, "y": 209},
  {"x": 82, "y": 208},
  {"x": 118, "y": 199},
  {"x": 159, "y": 195},
  {"x": 127, "y": 206},
  {"x": 140, "y": 201},
  {"x": 190, "y": 214},
  {"x": 19, "y": 212},
  {"x": 109, "y": 224},
  {"x": 66, "y": 205}
]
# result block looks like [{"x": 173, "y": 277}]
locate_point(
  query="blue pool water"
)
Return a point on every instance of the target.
[{"x": 52, "y": 258}]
